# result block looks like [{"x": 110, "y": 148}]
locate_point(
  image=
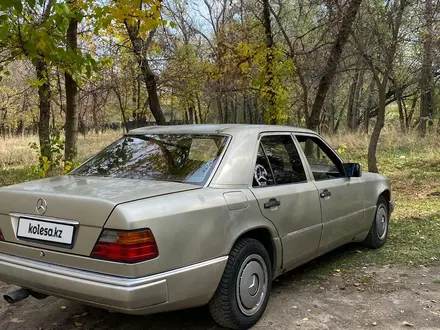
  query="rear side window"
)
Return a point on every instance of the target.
[
  {"x": 262, "y": 171},
  {"x": 187, "y": 158},
  {"x": 285, "y": 164}
]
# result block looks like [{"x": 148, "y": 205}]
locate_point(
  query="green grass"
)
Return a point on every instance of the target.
[
  {"x": 17, "y": 174},
  {"x": 410, "y": 243}
]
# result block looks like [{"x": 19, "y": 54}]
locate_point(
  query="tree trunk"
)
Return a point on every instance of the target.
[
  {"x": 411, "y": 112},
  {"x": 427, "y": 79},
  {"x": 402, "y": 117},
  {"x": 249, "y": 110},
  {"x": 332, "y": 63},
  {"x": 220, "y": 110},
  {"x": 380, "y": 122},
  {"x": 226, "y": 112},
  {"x": 191, "y": 114},
  {"x": 196, "y": 120},
  {"x": 71, "y": 125},
  {"x": 350, "y": 108},
  {"x": 244, "y": 105},
  {"x": 94, "y": 111},
  {"x": 359, "y": 85},
  {"x": 121, "y": 107},
  {"x": 382, "y": 86},
  {"x": 199, "y": 108},
  {"x": 271, "y": 116},
  {"x": 140, "y": 47},
  {"x": 366, "y": 116},
  {"x": 44, "y": 95},
  {"x": 234, "y": 110}
]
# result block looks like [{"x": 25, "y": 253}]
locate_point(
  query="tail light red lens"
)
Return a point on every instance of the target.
[
  {"x": 126, "y": 246},
  {"x": 2, "y": 238}
]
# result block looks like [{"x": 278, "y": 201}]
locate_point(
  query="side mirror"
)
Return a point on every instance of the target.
[{"x": 353, "y": 170}]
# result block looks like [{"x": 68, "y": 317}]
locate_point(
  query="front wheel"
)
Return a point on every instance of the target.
[
  {"x": 378, "y": 233},
  {"x": 242, "y": 295}
]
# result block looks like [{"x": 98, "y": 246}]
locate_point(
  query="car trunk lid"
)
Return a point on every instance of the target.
[{"x": 83, "y": 202}]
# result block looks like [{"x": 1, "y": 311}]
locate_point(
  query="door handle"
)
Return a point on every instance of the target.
[
  {"x": 325, "y": 194},
  {"x": 272, "y": 203}
]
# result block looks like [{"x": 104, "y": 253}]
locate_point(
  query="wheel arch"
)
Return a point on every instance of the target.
[
  {"x": 387, "y": 195},
  {"x": 272, "y": 244}
]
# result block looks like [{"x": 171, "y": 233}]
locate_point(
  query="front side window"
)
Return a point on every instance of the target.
[
  {"x": 282, "y": 156},
  {"x": 323, "y": 161},
  {"x": 187, "y": 158}
]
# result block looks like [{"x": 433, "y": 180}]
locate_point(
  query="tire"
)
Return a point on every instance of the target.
[
  {"x": 378, "y": 233},
  {"x": 242, "y": 295}
]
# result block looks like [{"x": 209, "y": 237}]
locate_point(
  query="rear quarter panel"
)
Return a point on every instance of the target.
[{"x": 190, "y": 227}]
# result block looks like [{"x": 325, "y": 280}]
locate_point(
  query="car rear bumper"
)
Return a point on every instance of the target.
[{"x": 181, "y": 288}]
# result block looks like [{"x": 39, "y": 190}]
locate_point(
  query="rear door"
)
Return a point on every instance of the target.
[
  {"x": 341, "y": 197},
  {"x": 287, "y": 197}
]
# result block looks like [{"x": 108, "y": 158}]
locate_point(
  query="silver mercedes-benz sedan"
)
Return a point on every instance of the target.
[{"x": 174, "y": 217}]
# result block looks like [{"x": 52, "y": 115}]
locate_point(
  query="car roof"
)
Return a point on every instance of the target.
[{"x": 215, "y": 129}]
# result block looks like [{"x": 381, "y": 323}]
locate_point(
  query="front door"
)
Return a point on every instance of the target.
[
  {"x": 287, "y": 197},
  {"x": 341, "y": 197}
]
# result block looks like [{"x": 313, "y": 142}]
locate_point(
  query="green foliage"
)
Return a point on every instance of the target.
[
  {"x": 113, "y": 15},
  {"x": 56, "y": 150},
  {"x": 34, "y": 37}
]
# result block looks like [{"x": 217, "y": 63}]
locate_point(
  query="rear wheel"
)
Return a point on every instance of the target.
[
  {"x": 379, "y": 229},
  {"x": 243, "y": 292}
]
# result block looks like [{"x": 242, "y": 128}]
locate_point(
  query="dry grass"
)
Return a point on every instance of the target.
[
  {"x": 411, "y": 163},
  {"x": 390, "y": 139},
  {"x": 15, "y": 151}
]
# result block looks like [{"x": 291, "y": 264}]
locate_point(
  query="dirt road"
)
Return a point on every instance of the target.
[{"x": 368, "y": 298}]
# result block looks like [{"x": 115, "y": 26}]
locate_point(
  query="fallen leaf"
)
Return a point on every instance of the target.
[
  {"x": 374, "y": 324},
  {"x": 402, "y": 311},
  {"x": 63, "y": 307},
  {"x": 78, "y": 324},
  {"x": 16, "y": 320},
  {"x": 407, "y": 324},
  {"x": 305, "y": 319}
]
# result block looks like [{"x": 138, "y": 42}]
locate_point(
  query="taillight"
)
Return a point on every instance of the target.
[
  {"x": 126, "y": 246},
  {"x": 2, "y": 238}
]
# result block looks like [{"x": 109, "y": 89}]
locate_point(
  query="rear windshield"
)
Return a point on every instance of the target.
[{"x": 187, "y": 158}]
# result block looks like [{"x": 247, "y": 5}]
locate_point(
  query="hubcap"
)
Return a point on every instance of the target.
[
  {"x": 381, "y": 221},
  {"x": 252, "y": 284}
]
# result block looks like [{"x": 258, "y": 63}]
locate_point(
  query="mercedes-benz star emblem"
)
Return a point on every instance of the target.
[{"x": 41, "y": 206}]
